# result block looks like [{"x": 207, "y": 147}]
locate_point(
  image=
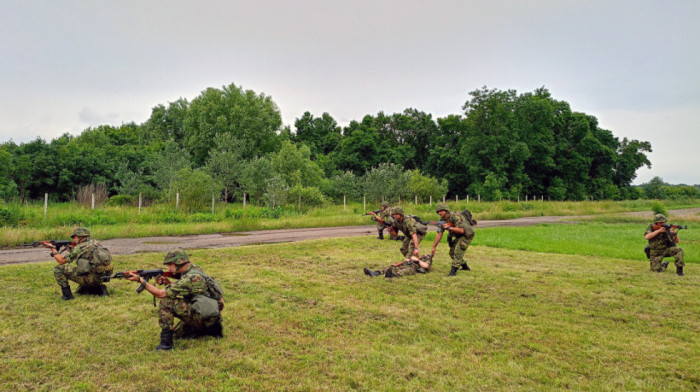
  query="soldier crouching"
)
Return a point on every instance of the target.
[
  {"x": 195, "y": 298},
  {"x": 92, "y": 262}
]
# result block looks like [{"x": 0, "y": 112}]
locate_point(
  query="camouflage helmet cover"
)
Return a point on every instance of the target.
[
  {"x": 397, "y": 210},
  {"x": 659, "y": 218},
  {"x": 385, "y": 204},
  {"x": 442, "y": 207},
  {"x": 80, "y": 232},
  {"x": 177, "y": 257}
]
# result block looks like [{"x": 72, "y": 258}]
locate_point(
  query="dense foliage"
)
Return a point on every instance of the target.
[{"x": 231, "y": 141}]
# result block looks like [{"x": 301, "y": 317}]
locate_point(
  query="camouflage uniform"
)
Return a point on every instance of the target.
[
  {"x": 459, "y": 242},
  {"x": 409, "y": 226},
  {"x": 388, "y": 218},
  {"x": 409, "y": 268},
  {"x": 85, "y": 250},
  {"x": 663, "y": 245},
  {"x": 178, "y": 303}
]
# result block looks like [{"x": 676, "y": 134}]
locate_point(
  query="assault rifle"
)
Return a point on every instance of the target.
[
  {"x": 145, "y": 274},
  {"x": 675, "y": 227},
  {"x": 375, "y": 211},
  {"x": 440, "y": 225},
  {"x": 56, "y": 244}
]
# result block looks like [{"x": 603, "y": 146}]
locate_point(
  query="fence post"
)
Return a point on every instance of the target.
[
  {"x": 518, "y": 198},
  {"x": 525, "y": 198},
  {"x": 244, "y": 200},
  {"x": 140, "y": 202},
  {"x": 415, "y": 197},
  {"x": 364, "y": 202},
  {"x": 443, "y": 198},
  {"x": 478, "y": 200},
  {"x": 542, "y": 198},
  {"x": 431, "y": 200},
  {"x": 92, "y": 205},
  {"x": 46, "y": 204},
  {"x": 456, "y": 198},
  {"x": 467, "y": 199},
  {"x": 300, "y": 202},
  {"x": 273, "y": 201},
  {"x": 177, "y": 200},
  {"x": 344, "y": 202},
  {"x": 212, "y": 203}
]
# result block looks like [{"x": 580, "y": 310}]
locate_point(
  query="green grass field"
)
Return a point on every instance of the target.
[{"x": 303, "y": 316}]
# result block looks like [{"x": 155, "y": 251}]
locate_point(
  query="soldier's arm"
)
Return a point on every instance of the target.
[
  {"x": 438, "y": 237},
  {"x": 650, "y": 235}
]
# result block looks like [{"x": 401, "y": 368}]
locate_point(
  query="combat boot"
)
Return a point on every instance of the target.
[
  {"x": 465, "y": 267},
  {"x": 166, "y": 340},
  {"x": 400, "y": 238},
  {"x": 67, "y": 294},
  {"x": 679, "y": 271},
  {"x": 453, "y": 271},
  {"x": 216, "y": 330},
  {"x": 82, "y": 290},
  {"x": 664, "y": 265},
  {"x": 102, "y": 291},
  {"x": 371, "y": 273},
  {"x": 381, "y": 234},
  {"x": 390, "y": 274}
]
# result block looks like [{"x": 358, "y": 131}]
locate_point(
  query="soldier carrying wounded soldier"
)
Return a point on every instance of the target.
[
  {"x": 195, "y": 298},
  {"x": 413, "y": 230}
]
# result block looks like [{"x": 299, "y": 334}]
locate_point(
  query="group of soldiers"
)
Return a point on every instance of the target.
[
  {"x": 197, "y": 299},
  {"x": 194, "y": 297},
  {"x": 460, "y": 235}
]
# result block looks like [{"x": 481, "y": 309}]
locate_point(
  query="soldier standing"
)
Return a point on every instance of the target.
[
  {"x": 195, "y": 298},
  {"x": 662, "y": 243},
  {"x": 413, "y": 231},
  {"x": 92, "y": 262},
  {"x": 460, "y": 236},
  {"x": 383, "y": 219}
]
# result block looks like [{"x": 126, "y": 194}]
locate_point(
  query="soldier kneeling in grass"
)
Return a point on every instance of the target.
[
  {"x": 411, "y": 266},
  {"x": 195, "y": 298}
]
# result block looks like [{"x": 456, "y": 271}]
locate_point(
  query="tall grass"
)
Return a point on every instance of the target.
[{"x": 25, "y": 222}]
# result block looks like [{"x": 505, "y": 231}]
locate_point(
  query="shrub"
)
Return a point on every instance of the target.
[{"x": 121, "y": 200}]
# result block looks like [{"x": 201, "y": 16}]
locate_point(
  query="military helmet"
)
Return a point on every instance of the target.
[
  {"x": 442, "y": 207},
  {"x": 80, "y": 232},
  {"x": 659, "y": 218},
  {"x": 177, "y": 257},
  {"x": 384, "y": 204},
  {"x": 397, "y": 210}
]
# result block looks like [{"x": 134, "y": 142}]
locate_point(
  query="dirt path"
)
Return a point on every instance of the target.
[{"x": 120, "y": 246}]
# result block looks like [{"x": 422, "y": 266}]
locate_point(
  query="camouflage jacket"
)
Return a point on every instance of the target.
[
  {"x": 192, "y": 282},
  {"x": 85, "y": 250},
  {"x": 387, "y": 217},
  {"x": 409, "y": 226},
  {"x": 662, "y": 241},
  {"x": 458, "y": 220}
]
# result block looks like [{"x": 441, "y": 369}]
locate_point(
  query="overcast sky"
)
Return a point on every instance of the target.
[{"x": 635, "y": 65}]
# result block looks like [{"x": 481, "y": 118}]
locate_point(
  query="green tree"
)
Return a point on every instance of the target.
[
  {"x": 196, "y": 188},
  {"x": 293, "y": 163},
  {"x": 254, "y": 119},
  {"x": 225, "y": 162},
  {"x": 254, "y": 175}
]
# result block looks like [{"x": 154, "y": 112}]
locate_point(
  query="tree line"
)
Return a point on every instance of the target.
[{"x": 231, "y": 141}]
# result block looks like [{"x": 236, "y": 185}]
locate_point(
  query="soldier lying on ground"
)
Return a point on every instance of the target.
[{"x": 410, "y": 266}]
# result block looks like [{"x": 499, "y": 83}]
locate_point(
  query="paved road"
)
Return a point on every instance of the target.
[{"x": 120, "y": 246}]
